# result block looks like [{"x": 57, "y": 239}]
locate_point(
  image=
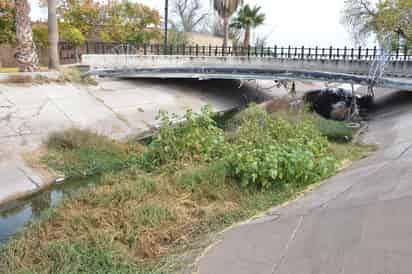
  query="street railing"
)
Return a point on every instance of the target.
[{"x": 68, "y": 51}]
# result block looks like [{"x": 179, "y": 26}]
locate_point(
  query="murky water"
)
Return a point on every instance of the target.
[{"x": 16, "y": 215}]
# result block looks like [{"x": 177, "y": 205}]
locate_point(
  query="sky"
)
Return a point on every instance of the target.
[{"x": 288, "y": 22}]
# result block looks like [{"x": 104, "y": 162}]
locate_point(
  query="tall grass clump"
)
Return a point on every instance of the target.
[{"x": 80, "y": 153}]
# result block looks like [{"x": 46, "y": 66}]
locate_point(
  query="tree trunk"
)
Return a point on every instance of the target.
[
  {"x": 246, "y": 41},
  {"x": 53, "y": 35},
  {"x": 225, "y": 31},
  {"x": 25, "y": 55}
]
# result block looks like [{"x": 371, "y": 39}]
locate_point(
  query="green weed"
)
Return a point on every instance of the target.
[
  {"x": 80, "y": 153},
  {"x": 196, "y": 138},
  {"x": 152, "y": 215}
]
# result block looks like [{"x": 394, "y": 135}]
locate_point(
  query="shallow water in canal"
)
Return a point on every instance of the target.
[{"x": 16, "y": 215}]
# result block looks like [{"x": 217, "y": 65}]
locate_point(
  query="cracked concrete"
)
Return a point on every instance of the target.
[
  {"x": 116, "y": 108},
  {"x": 356, "y": 222}
]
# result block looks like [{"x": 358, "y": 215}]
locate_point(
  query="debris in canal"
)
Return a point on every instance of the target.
[{"x": 338, "y": 103}]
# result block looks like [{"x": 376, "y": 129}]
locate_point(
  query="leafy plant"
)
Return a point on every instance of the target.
[
  {"x": 40, "y": 35},
  {"x": 71, "y": 34},
  {"x": 270, "y": 152},
  {"x": 7, "y": 23},
  {"x": 196, "y": 138}
]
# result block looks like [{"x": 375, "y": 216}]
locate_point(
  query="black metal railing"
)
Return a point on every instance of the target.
[{"x": 68, "y": 51}]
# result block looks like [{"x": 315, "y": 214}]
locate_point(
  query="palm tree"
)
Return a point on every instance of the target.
[
  {"x": 247, "y": 19},
  {"x": 53, "y": 34},
  {"x": 225, "y": 9},
  {"x": 26, "y": 55}
]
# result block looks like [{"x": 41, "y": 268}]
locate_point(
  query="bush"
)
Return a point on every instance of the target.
[
  {"x": 196, "y": 138},
  {"x": 270, "y": 152},
  {"x": 41, "y": 35},
  {"x": 71, "y": 34}
]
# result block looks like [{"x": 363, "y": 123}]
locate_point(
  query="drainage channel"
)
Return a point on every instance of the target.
[{"x": 16, "y": 215}]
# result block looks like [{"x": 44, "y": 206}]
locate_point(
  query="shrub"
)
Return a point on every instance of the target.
[
  {"x": 269, "y": 151},
  {"x": 196, "y": 138},
  {"x": 40, "y": 35}
]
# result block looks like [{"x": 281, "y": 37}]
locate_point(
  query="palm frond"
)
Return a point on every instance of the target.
[{"x": 226, "y": 8}]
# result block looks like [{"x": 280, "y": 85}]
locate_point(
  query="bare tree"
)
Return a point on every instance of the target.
[
  {"x": 189, "y": 14},
  {"x": 216, "y": 27},
  {"x": 358, "y": 17}
]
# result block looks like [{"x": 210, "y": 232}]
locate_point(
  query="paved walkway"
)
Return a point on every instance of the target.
[
  {"x": 358, "y": 222},
  {"x": 29, "y": 113}
]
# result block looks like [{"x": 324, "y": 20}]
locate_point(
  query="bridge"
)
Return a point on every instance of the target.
[{"x": 364, "y": 66}]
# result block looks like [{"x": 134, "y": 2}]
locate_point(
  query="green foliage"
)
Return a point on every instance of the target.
[
  {"x": 270, "y": 152},
  {"x": 394, "y": 16},
  {"x": 335, "y": 131},
  {"x": 7, "y": 23},
  {"x": 79, "y": 153},
  {"x": 130, "y": 22},
  {"x": 82, "y": 15},
  {"x": 386, "y": 18},
  {"x": 261, "y": 151},
  {"x": 196, "y": 138},
  {"x": 248, "y": 18},
  {"x": 213, "y": 175},
  {"x": 40, "y": 35},
  {"x": 71, "y": 34},
  {"x": 152, "y": 215},
  {"x": 91, "y": 256},
  {"x": 143, "y": 36}
]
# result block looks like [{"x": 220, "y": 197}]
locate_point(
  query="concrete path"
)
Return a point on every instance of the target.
[
  {"x": 29, "y": 113},
  {"x": 357, "y": 222}
]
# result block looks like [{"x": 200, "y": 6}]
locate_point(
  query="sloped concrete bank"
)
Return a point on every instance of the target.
[{"x": 116, "y": 108}]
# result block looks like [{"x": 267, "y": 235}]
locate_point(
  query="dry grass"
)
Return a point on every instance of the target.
[{"x": 143, "y": 218}]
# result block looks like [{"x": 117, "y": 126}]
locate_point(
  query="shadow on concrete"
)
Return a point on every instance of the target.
[
  {"x": 246, "y": 93},
  {"x": 398, "y": 100}
]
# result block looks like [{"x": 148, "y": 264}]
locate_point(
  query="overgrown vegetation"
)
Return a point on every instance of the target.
[
  {"x": 78, "y": 153},
  {"x": 193, "y": 179}
]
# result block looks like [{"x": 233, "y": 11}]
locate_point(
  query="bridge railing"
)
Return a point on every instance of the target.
[{"x": 289, "y": 52}]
